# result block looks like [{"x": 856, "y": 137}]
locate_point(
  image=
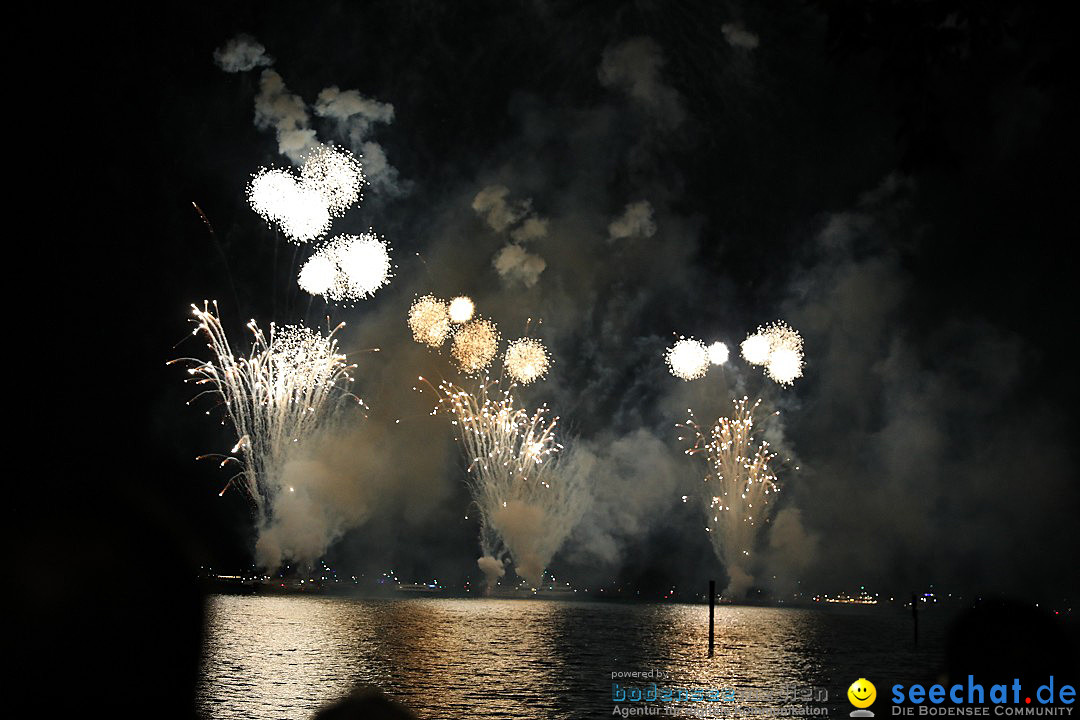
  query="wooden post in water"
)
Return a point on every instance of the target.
[
  {"x": 712, "y": 607},
  {"x": 915, "y": 616}
]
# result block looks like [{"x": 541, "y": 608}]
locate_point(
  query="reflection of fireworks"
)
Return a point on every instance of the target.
[
  {"x": 336, "y": 175},
  {"x": 688, "y": 359},
  {"x": 475, "y": 344},
  {"x": 275, "y": 398},
  {"x": 526, "y": 360},
  {"x": 429, "y": 321},
  {"x": 361, "y": 265},
  {"x": 736, "y": 489},
  {"x": 461, "y": 309},
  {"x": 296, "y": 207},
  {"x": 528, "y": 502}
]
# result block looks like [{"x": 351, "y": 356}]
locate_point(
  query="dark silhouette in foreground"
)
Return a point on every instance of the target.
[{"x": 365, "y": 704}]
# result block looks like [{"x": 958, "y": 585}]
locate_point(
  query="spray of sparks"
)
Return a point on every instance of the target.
[
  {"x": 737, "y": 488},
  {"x": 336, "y": 175},
  {"x": 429, "y": 321},
  {"x": 297, "y": 208},
  {"x": 475, "y": 345},
  {"x": 718, "y": 353},
  {"x": 289, "y": 384},
  {"x": 347, "y": 268},
  {"x": 329, "y": 183},
  {"x": 779, "y": 348},
  {"x": 461, "y": 309},
  {"x": 526, "y": 360},
  {"x": 688, "y": 359},
  {"x": 527, "y": 503}
]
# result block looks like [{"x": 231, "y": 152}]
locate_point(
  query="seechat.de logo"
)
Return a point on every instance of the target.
[{"x": 862, "y": 695}]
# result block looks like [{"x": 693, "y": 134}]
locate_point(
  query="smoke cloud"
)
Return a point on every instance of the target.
[
  {"x": 636, "y": 221},
  {"x": 286, "y": 114},
  {"x": 738, "y": 36},
  {"x": 634, "y": 66},
  {"x": 241, "y": 54},
  {"x": 353, "y": 116}
]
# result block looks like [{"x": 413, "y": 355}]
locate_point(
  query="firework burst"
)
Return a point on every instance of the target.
[
  {"x": 336, "y": 175},
  {"x": 475, "y": 345},
  {"x": 429, "y": 321},
  {"x": 289, "y": 384},
  {"x": 527, "y": 500},
  {"x": 688, "y": 359},
  {"x": 461, "y": 309},
  {"x": 779, "y": 348},
  {"x": 347, "y": 268},
  {"x": 526, "y": 360},
  {"x": 738, "y": 487},
  {"x": 297, "y": 208},
  {"x": 718, "y": 353}
]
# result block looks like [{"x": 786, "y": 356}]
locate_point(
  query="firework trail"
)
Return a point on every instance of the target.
[
  {"x": 529, "y": 499},
  {"x": 737, "y": 489},
  {"x": 291, "y": 382}
]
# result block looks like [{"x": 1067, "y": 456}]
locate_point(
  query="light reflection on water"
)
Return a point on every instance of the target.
[{"x": 285, "y": 656}]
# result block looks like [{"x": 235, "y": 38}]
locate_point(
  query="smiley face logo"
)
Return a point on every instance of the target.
[{"x": 862, "y": 694}]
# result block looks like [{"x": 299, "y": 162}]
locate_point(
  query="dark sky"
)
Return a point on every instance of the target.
[{"x": 894, "y": 179}]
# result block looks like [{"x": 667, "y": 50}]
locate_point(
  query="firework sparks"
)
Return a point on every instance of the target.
[
  {"x": 429, "y": 320},
  {"x": 755, "y": 349},
  {"x": 461, "y": 309},
  {"x": 718, "y": 353},
  {"x": 336, "y": 175},
  {"x": 737, "y": 488},
  {"x": 688, "y": 359},
  {"x": 779, "y": 348},
  {"x": 526, "y": 360},
  {"x": 475, "y": 345},
  {"x": 360, "y": 265},
  {"x": 290, "y": 383},
  {"x": 298, "y": 209},
  {"x": 785, "y": 353},
  {"x": 317, "y": 275},
  {"x": 527, "y": 501}
]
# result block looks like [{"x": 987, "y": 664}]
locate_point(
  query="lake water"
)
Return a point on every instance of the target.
[{"x": 286, "y": 656}]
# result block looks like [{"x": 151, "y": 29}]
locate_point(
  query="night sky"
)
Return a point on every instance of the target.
[{"x": 895, "y": 180}]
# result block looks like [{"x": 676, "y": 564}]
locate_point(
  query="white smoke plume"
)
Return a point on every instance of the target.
[
  {"x": 738, "y": 36},
  {"x": 241, "y": 54},
  {"x": 353, "y": 116},
  {"x": 515, "y": 264},
  {"x": 533, "y": 228},
  {"x": 636, "y": 221},
  {"x": 492, "y": 569},
  {"x": 633, "y": 66},
  {"x": 286, "y": 114},
  {"x": 320, "y": 493},
  {"x": 491, "y": 205}
]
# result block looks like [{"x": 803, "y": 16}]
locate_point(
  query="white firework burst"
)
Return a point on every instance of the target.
[
  {"x": 526, "y": 360},
  {"x": 688, "y": 359}
]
